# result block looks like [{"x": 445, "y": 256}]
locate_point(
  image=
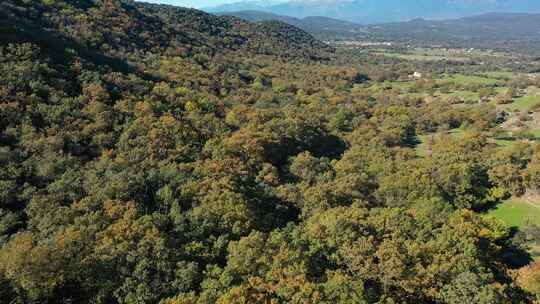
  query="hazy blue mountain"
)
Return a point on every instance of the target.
[
  {"x": 379, "y": 11},
  {"x": 319, "y": 26},
  {"x": 491, "y": 29},
  {"x": 511, "y": 31}
]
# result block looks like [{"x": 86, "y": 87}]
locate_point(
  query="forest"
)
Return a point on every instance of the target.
[{"x": 162, "y": 155}]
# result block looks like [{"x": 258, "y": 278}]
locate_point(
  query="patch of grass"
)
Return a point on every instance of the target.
[
  {"x": 421, "y": 57},
  {"x": 453, "y": 52},
  {"x": 422, "y": 139},
  {"x": 536, "y": 133},
  {"x": 457, "y": 132},
  {"x": 505, "y": 142},
  {"x": 402, "y": 86},
  {"x": 499, "y": 74},
  {"x": 523, "y": 104},
  {"x": 461, "y": 79},
  {"x": 507, "y": 139},
  {"x": 501, "y": 90},
  {"x": 516, "y": 213},
  {"x": 415, "y": 95},
  {"x": 466, "y": 95}
]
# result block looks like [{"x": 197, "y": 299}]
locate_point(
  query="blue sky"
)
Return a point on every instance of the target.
[
  {"x": 192, "y": 3},
  {"x": 206, "y": 3}
]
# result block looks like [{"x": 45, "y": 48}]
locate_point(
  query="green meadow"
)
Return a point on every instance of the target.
[{"x": 517, "y": 213}]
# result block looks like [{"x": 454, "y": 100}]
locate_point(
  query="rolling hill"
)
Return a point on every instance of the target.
[
  {"x": 322, "y": 27},
  {"x": 140, "y": 27},
  {"x": 492, "y": 25},
  {"x": 493, "y": 30},
  {"x": 515, "y": 31}
]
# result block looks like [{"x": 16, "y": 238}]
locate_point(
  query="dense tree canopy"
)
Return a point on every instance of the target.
[{"x": 152, "y": 154}]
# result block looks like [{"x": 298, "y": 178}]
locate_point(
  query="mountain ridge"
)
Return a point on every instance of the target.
[
  {"x": 493, "y": 30},
  {"x": 165, "y": 27},
  {"x": 321, "y": 27},
  {"x": 373, "y": 11}
]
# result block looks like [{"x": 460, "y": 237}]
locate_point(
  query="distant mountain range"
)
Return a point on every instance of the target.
[
  {"x": 381, "y": 11},
  {"x": 322, "y": 27},
  {"x": 516, "y": 31},
  {"x": 502, "y": 27}
]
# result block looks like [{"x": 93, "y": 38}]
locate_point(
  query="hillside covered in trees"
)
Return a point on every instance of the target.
[{"x": 153, "y": 154}]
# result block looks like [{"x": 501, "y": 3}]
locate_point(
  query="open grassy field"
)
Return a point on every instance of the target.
[
  {"x": 429, "y": 54},
  {"x": 412, "y": 56},
  {"x": 420, "y": 56},
  {"x": 499, "y": 75},
  {"x": 467, "y": 96},
  {"x": 509, "y": 140},
  {"x": 516, "y": 213},
  {"x": 502, "y": 142},
  {"x": 500, "y": 90},
  {"x": 505, "y": 142},
  {"x": 523, "y": 104},
  {"x": 415, "y": 95},
  {"x": 473, "y": 79},
  {"x": 400, "y": 85}
]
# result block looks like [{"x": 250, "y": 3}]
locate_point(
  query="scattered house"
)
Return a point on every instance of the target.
[
  {"x": 416, "y": 75},
  {"x": 522, "y": 92},
  {"x": 533, "y": 76}
]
